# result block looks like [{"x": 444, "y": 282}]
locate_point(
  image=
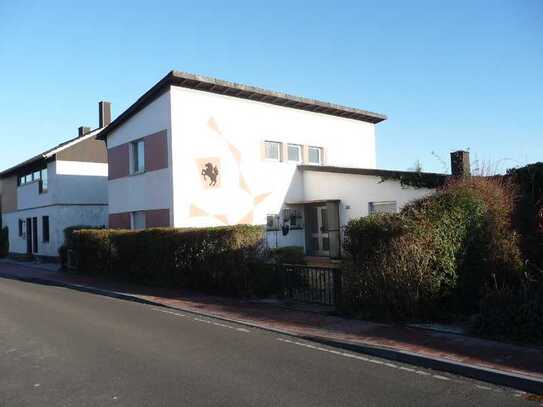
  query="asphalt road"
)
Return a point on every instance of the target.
[{"x": 61, "y": 347}]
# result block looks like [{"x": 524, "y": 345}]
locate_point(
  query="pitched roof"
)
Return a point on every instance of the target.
[
  {"x": 207, "y": 84},
  {"x": 51, "y": 152}
]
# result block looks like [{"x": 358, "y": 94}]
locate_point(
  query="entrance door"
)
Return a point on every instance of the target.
[
  {"x": 319, "y": 231},
  {"x": 29, "y": 235},
  {"x": 35, "y": 235}
]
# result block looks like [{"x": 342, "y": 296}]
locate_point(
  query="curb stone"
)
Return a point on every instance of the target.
[{"x": 497, "y": 377}]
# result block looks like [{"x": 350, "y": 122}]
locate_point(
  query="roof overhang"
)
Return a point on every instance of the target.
[
  {"x": 207, "y": 84},
  {"x": 363, "y": 171},
  {"x": 49, "y": 153}
]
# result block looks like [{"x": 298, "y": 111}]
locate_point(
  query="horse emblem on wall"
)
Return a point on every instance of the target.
[
  {"x": 209, "y": 170},
  {"x": 212, "y": 172}
]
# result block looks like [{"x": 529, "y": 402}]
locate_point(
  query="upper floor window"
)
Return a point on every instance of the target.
[
  {"x": 272, "y": 150},
  {"x": 383, "y": 207},
  {"x": 294, "y": 153},
  {"x": 44, "y": 181},
  {"x": 314, "y": 155},
  {"x": 138, "y": 156},
  {"x": 32, "y": 177}
]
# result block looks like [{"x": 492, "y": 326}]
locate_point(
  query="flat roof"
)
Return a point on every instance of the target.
[
  {"x": 207, "y": 84},
  {"x": 365, "y": 171}
]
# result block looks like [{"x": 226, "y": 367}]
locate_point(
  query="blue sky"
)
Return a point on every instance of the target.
[{"x": 450, "y": 75}]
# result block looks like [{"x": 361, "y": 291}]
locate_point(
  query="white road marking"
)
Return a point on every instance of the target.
[
  {"x": 205, "y": 320},
  {"x": 365, "y": 359}
]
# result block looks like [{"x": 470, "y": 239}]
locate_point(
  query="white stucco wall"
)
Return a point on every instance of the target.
[
  {"x": 229, "y": 130},
  {"x": 69, "y": 182},
  {"x": 150, "y": 190},
  {"x": 60, "y": 217},
  {"x": 356, "y": 191}
]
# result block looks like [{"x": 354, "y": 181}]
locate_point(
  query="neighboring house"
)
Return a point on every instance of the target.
[
  {"x": 61, "y": 187},
  {"x": 196, "y": 151}
]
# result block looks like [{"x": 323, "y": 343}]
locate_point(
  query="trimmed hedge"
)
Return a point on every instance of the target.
[
  {"x": 288, "y": 255},
  {"x": 436, "y": 256},
  {"x": 4, "y": 242},
  {"x": 69, "y": 242},
  {"x": 226, "y": 260}
]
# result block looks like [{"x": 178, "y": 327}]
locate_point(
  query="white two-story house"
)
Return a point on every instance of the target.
[
  {"x": 63, "y": 186},
  {"x": 195, "y": 151}
]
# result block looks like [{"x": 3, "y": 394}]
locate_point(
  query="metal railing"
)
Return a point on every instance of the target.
[{"x": 314, "y": 284}]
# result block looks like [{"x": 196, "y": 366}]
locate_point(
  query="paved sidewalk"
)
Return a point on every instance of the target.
[{"x": 515, "y": 361}]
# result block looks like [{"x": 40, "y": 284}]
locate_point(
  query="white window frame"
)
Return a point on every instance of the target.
[
  {"x": 319, "y": 149},
  {"x": 300, "y": 153},
  {"x": 373, "y": 210},
  {"x": 279, "y": 148},
  {"x": 134, "y": 150}
]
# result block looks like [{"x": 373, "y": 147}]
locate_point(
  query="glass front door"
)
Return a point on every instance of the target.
[{"x": 319, "y": 231}]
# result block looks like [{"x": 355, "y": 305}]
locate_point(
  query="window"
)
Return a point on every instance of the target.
[
  {"x": 43, "y": 181},
  {"x": 31, "y": 177},
  {"x": 294, "y": 153},
  {"x": 314, "y": 155},
  {"x": 21, "y": 227},
  {"x": 137, "y": 220},
  {"x": 272, "y": 150},
  {"x": 271, "y": 222},
  {"x": 383, "y": 207},
  {"x": 138, "y": 156},
  {"x": 45, "y": 228}
]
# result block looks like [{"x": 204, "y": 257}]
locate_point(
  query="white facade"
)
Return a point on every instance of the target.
[
  {"x": 60, "y": 217},
  {"x": 150, "y": 190},
  {"x": 232, "y": 132},
  {"x": 75, "y": 194},
  {"x": 212, "y": 133}
]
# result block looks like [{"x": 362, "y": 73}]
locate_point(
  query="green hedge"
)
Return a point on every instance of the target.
[
  {"x": 69, "y": 242},
  {"x": 4, "y": 242},
  {"x": 288, "y": 255},
  {"x": 434, "y": 258},
  {"x": 221, "y": 259}
]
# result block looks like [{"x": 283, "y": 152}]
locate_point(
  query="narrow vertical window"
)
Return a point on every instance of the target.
[
  {"x": 21, "y": 227},
  {"x": 45, "y": 228},
  {"x": 43, "y": 181},
  {"x": 138, "y": 156}
]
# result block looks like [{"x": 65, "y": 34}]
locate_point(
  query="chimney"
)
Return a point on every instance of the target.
[
  {"x": 460, "y": 166},
  {"x": 83, "y": 130},
  {"x": 104, "y": 114}
]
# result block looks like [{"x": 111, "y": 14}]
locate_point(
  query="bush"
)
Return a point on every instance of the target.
[
  {"x": 4, "y": 242},
  {"x": 512, "y": 313},
  {"x": 288, "y": 255},
  {"x": 436, "y": 256},
  {"x": 529, "y": 181},
  {"x": 220, "y": 259},
  {"x": 69, "y": 242}
]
